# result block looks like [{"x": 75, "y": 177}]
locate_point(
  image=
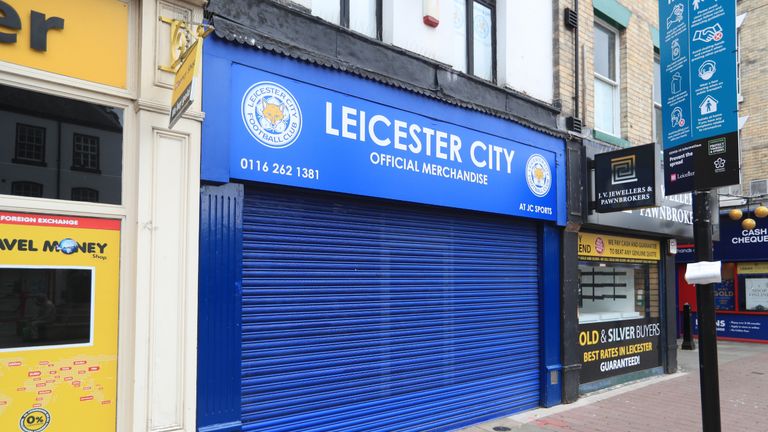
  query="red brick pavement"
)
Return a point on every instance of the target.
[{"x": 674, "y": 405}]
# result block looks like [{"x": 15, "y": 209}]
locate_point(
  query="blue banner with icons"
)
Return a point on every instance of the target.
[
  {"x": 699, "y": 96},
  {"x": 292, "y": 132}
]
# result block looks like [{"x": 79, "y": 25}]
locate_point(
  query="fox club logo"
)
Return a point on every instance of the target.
[
  {"x": 271, "y": 114},
  {"x": 538, "y": 175}
]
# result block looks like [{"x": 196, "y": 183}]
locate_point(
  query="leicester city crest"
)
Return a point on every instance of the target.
[
  {"x": 271, "y": 114},
  {"x": 538, "y": 175}
]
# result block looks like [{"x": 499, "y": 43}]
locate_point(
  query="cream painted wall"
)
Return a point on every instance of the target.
[
  {"x": 525, "y": 53},
  {"x": 159, "y": 213}
]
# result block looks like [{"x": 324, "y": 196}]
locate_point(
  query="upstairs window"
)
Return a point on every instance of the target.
[
  {"x": 657, "y": 121},
  {"x": 85, "y": 153},
  {"x": 362, "y": 16},
  {"x": 30, "y": 144},
  {"x": 85, "y": 194},
  {"x": 606, "y": 58},
  {"x": 480, "y": 43},
  {"x": 27, "y": 188}
]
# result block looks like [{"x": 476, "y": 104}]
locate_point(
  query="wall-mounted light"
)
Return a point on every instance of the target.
[
  {"x": 748, "y": 223},
  {"x": 431, "y": 12}
]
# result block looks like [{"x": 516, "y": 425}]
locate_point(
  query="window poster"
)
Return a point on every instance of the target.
[
  {"x": 756, "y": 291},
  {"x": 59, "y": 279}
]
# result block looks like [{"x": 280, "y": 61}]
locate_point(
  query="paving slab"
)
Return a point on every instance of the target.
[{"x": 663, "y": 403}]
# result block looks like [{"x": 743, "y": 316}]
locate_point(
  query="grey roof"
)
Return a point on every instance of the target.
[{"x": 283, "y": 30}]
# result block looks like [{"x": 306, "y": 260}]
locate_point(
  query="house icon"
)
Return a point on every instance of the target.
[{"x": 708, "y": 105}]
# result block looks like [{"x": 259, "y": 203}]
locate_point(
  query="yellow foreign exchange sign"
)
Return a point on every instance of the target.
[
  {"x": 596, "y": 247},
  {"x": 84, "y": 39},
  {"x": 59, "y": 278}
]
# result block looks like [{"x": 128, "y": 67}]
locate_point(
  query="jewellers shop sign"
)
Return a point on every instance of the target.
[
  {"x": 626, "y": 179},
  {"x": 618, "y": 347}
]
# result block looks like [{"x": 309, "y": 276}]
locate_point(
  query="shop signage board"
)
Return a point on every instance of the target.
[
  {"x": 626, "y": 179},
  {"x": 596, "y": 247},
  {"x": 50, "y": 36},
  {"x": 699, "y": 104},
  {"x": 296, "y": 133},
  {"x": 184, "y": 82},
  {"x": 736, "y": 243},
  {"x": 750, "y": 327},
  {"x": 618, "y": 347},
  {"x": 59, "y": 278}
]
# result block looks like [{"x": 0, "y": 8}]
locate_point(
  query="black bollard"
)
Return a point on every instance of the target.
[{"x": 687, "y": 333}]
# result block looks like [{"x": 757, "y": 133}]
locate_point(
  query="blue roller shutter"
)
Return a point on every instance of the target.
[{"x": 364, "y": 315}]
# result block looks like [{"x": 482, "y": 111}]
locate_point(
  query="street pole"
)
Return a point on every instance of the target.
[{"x": 705, "y": 301}]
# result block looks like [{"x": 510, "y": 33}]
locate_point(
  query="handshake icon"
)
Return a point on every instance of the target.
[{"x": 709, "y": 34}]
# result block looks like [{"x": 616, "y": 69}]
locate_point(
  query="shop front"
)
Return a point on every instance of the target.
[
  {"x": 371, "y": 258},
  {"x": 619, "y": 305},
  {"x": 741, "y": 299},
  {"x": 619, "y": 299},
  {"x": 83, "y": 345}
]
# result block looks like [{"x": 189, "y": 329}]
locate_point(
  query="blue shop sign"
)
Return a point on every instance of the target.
[
  {"x": 293, "y": 124},
  {"x": 738, "y": 326},
  {"x": 736, "y": 243}
]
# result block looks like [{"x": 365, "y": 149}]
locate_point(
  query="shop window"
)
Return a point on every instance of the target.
[
  {"x": 606, "y": 58},
  {"x": 26, "y": 188},
  {"x": 85, "y": 153},
  {"x": 753, "y": 287},
  {"x": 618, "y": 291},
  {"x": 45, "y": 306},
  {"x": 362, "y": 16},
  {"x": 59, "y": 130},
  {"x": 30, "y": 144},
  {"x": 725, "y": 299},
  {"x": 85, "y": 194}
]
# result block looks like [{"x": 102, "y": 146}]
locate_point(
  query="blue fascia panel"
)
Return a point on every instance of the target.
[
  {"x": 219, "y": 56},
  {"x": 550, "y": 326},
  {"x": 214, "y": 161}
]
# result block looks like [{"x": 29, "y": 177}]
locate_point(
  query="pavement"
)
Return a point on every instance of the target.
[{"x": 662, "y": 403}]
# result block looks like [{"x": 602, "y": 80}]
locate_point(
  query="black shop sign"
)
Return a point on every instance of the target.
[
  {"x": 618, "y": 347},
  {"x": 626, "y": 179}
]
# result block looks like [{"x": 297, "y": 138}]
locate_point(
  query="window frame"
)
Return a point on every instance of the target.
[
  {"x": 344, "y": 10},
  {"x": 20, "y": 183},
  {"x": 656, "y": 105},
  {"x": 83, "y": 189},
  {"x": 78, "y": 167},
  {"x": 470, "y": 34},
  {"x": 616, "y": 84},
  {"x": 26, "y": 161},
  {"x": 739, "y": 96}
]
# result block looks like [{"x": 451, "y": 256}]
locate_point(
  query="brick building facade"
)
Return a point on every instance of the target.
[{"x": 753, "y": 16}]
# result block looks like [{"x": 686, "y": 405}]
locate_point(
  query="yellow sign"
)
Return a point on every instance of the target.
[
  {"x": 753, "y": 268},
  {"x": 184, "y": 82},
  {"x": 84, "y": 39},
  {"x": 596, "y": 247},
  {"x": 59, "y": 279}
]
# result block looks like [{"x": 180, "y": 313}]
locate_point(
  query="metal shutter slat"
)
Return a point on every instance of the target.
[{"x": 369, "y": 315}]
